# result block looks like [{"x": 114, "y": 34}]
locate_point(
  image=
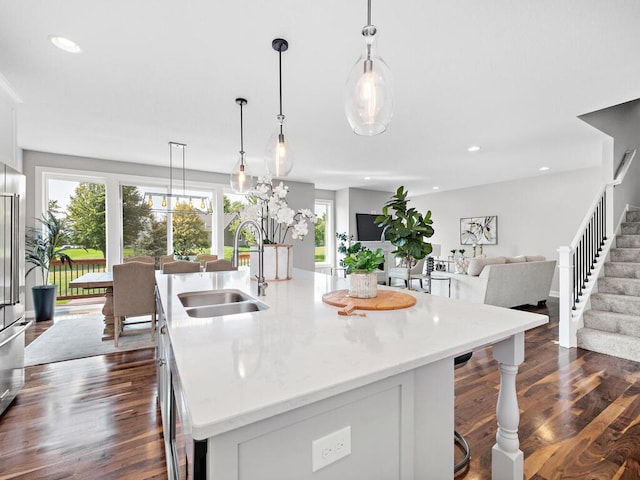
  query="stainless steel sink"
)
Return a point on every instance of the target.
[
  {"x": 226, "y": 309},
  {"x": 213, "y": 297},
  {"x": 215, "y": 303}
]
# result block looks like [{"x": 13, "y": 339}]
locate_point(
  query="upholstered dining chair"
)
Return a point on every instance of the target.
[
  {"x": 133, "y": 295},
  {"x": 166, "y": 259},
  {"x": 203, "y": 258},
  {"x": 219, "y": 266},
  {"x": 140, "y": 258},
  {"x": 181, "y": 266},
  {"x": 408, "y": 274}
]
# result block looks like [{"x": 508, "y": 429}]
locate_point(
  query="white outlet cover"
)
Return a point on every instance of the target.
[{"x": 330, "y": 448}]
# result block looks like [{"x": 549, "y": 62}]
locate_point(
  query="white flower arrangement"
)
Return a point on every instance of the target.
[{"x": 268, "y": 205}]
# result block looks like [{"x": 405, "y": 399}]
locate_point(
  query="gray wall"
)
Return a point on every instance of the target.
[
  {"x": 350, "y": 201},
  {"x": 535, "y": 215}
]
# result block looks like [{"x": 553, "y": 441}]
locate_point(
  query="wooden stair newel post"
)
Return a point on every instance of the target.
[{"x": 507, "y": 460}]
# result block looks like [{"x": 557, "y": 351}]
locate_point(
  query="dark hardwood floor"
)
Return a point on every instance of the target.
[{"x": 97, "y": 418}]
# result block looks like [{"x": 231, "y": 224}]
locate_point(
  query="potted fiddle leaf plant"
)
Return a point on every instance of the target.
[
  {"x": 406, "y": 229},
  {"x": 45, "y": 243}
]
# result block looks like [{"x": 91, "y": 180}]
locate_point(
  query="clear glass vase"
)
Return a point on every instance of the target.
[{"x": 363, "y": 284}]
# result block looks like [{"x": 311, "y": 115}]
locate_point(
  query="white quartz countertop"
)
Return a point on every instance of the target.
[{"x": 241, "y": 368}]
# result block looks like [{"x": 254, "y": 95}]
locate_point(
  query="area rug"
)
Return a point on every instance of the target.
[{"x": 77, "y": 336}]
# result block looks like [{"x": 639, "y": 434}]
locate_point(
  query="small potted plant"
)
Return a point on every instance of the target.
[
  {"x": 361, "y": 272},
  {"x": 43, "y": 245}
]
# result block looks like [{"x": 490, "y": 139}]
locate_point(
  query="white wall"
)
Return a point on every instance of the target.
[
  {"x": 10, "y": 154},
  {"x": 535, "y": 215}
]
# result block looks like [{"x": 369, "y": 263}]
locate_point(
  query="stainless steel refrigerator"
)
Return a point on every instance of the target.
[{"x": 12, "y": 284}]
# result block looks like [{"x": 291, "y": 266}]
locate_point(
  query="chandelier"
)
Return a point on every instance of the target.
[{"x": 177, "y": 202}]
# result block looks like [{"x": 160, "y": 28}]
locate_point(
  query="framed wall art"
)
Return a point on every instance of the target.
[{"x": 479, "y": 230}]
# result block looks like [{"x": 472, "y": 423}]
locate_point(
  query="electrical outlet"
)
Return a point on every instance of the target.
[{"x": 330, "y": 448}]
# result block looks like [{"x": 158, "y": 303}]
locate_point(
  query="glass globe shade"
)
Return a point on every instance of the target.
[
  {"x": 278, "y": 156},
  {"x": 240, "y": 179},
  {"x": 369, "y": 93}
]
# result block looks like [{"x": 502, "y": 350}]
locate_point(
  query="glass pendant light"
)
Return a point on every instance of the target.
[
  {"x": 241, "y": 181},
  {"x": 369, "y": 96},
  {"x": 278, "y": 157}
]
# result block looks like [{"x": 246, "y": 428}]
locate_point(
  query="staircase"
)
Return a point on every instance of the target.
[{"x": 612, "y": 325}]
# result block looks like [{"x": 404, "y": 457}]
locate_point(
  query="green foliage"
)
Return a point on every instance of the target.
[
  {"x": 237, "y": 207},
  {"x": 136, "y": 215},
  {"x": 46, "y": 243},
  {"x": 364, "y": 260},
  {"x": 320, "y": 230},
  {"x": 153, "y": 241},
  {"x": 407, "y": 229},
  {"x": 357, "y": 256},
  {"x": 86, "y": 214},
  {"x": 189, "y": 232}
]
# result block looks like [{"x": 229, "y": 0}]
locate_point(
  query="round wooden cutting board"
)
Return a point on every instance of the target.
[{"x": 386, "y": 300}]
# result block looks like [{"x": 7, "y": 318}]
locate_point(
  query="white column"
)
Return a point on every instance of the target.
[
  {"x": 567, "y": 328},
  {"x": 113, "y": 219},
  {"x": 507, "y": 460}
]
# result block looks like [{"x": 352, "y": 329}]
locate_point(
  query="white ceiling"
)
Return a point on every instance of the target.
[{"x": 509, "y": 75}]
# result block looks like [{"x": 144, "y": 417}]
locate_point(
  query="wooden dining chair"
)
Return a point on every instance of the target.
[
  {"x": 181, "y": 266},
  {"x": 219, "y": 266},
  {"x": 133, "y": 295},
  {"x": 166, "y": 259},
  {"x": 140, "y": 258},
  {"x": 203, "y": 258}
]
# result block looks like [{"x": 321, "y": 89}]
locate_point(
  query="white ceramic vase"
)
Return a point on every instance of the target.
[
  {"x": 462, "y": 264},
  {"x": 278, "y": 262}
]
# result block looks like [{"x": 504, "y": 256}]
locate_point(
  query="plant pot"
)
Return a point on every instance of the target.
[
  {"x": 363, "y": 284},
  {"x": 44, "y": 302}
]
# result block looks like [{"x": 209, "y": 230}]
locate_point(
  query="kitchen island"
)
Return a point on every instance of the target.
[{"x": 295, "y": 391}]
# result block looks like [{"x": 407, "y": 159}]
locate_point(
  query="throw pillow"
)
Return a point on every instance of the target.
[
  {"x": 476, "y": 265},
  {"x": 520, "y": 259},
  {"x": 535, "y": 258}
]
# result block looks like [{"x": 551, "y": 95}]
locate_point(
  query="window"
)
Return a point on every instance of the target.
[{"x": 324, "y": 240}]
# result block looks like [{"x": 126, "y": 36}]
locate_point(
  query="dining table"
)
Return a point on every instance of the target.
[{"x": 100, "y": 280}]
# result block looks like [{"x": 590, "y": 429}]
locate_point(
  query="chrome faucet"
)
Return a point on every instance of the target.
[{"x": 262, "y": 285}]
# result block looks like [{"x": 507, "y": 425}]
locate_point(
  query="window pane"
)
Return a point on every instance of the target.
[
  {"x": 144, "y": 232},
  {"x": 321, "y": 243}
]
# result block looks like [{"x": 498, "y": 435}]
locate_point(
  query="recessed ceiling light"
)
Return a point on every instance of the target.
[
  {"x": 473, "y": 148},
  {"x": 436, "y": 188},
  {"x": 543, "y": 169},
  {"x": 65, "y": 44},
  {"x": 367, "y": 178}
]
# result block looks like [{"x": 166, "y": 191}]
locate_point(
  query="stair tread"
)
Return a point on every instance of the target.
[
  {"x": 616, "y": 315},
  {"x": 620, "y": 279},
  {"x": 615, "y": 295},
  {"x": 609, "y": 343}
]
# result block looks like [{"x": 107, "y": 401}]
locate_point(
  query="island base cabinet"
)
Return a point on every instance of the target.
[{"x": 401, "y": 428}]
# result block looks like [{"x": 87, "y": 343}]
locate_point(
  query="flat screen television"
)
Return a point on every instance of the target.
[{"x": 366, "y": 229}]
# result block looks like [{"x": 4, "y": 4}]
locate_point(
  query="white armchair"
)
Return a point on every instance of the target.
[{"x": 408, "y": 274}]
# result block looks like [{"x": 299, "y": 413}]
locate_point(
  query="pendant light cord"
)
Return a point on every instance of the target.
[
  {"x": 368, "y": 12},
  {"x": 241, "y": 137},
  {"x": 280, "y": 77}
]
